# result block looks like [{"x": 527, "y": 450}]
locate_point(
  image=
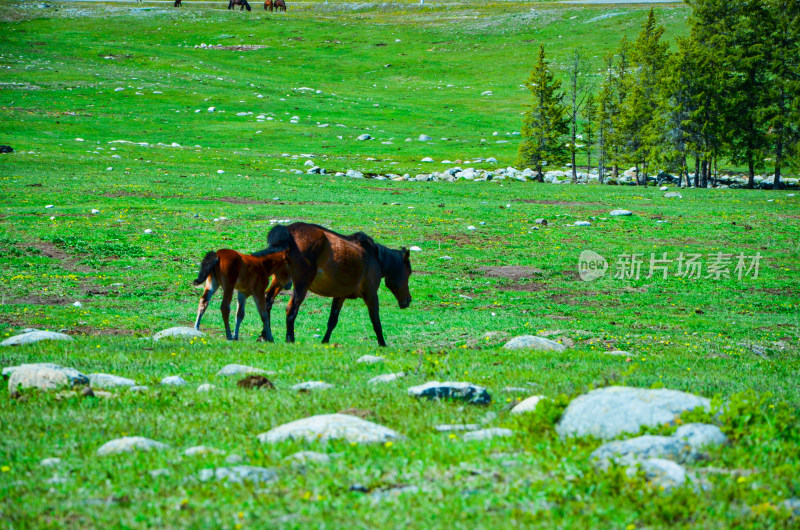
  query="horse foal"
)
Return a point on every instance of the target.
[{"x": 249, "y": 274}]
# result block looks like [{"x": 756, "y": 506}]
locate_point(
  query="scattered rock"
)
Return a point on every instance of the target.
[
  {"x": 487, "y": 434},
  {"x": 370, "y": 359},
  {"x": 239, "y": 369},
  {"x": 42, "y": 377},
  {"x": 330, "y": 427},
  {"x": 642, "y": 447},
  {"x": 663, "y": 188},
  {"x": 308, "y": 386},
  {"x": 238, "y": 474},
  {"x": 792, "y": 505},
  {"x": 581, "y": 223},
  {"x": 535, "y": 343},
  {"x": 541, "y": 221},
  {"x": 620, "y": 213},
  {"x": 174, "y": 380},
  {"x": 206, "y": 387},
  {"x": 673, "y": 195},
  {"x": 75, "y": 377},
  {"x": 607, "y": 412},
  {"x": 109, "y": 381},
  {"x": 474, "y": 394},
  {"x": 139, "y": 388},
  {"x": 661, "y": 473},
  {"x": 128, "y": 444},
  {"x": 386, "y": 378},
  {"x": 255, "y": 381},
  {"x": 50, "y": 462},
  {"x": 179, "y": 331},
  {"x": 364, "y": 137},
  {"x": 234, "y": 459},
  {"x": 160, "y": 472},
  {"x": 34, "y": 336},
  {"x": 200, "y": 450},
  {"x": 457, "y": 427},
  {"x": 309, "y": 457},
  {"x": 414, "y": 249},
  {"x": 424, "y": 138},
  {"x": 527, "y": 405},
  {"x": 618, "y": 352},
  {"x": 701, "y": 435},
  {"x": 427, "y": 159}
]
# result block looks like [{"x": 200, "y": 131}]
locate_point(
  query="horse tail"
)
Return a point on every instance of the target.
[{"x": 206, "y": 267}]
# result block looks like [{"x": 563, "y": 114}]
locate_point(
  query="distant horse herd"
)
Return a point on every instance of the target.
[
  {"x": 269, "y": 5},
  {"x": 305, "y": 257}
]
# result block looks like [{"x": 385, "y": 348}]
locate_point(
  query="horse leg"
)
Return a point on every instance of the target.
[
  {"x": 272, "y": 292},
  {"x": 333, "y": 319},
  {"x": 211, "y": 288},
  {"x": 240, "y": 302},
  {"x": 225, "y": 308},
  {"x": 374, "y": 316},
  {"x": 261, "y": 305},
  {"x": 298, "y": 295}
]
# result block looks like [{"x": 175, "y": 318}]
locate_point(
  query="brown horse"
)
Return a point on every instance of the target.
[
  {"x": 242, "y": 3},
  {"x": 339, "y": 267},
  {"x": 248, "y": 274},
  {"x": 268, "y": 5},
  {"x": 280, "y": 5}
]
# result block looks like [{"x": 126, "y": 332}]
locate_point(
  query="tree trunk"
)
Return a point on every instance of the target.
[
  {"x": 704, "y": 172},
  {"x": 697, "y": 171},
  {"x": 615, "y": 172},
  {"x": 776, "y": 184},
  {"x": 751, "y": 177}
]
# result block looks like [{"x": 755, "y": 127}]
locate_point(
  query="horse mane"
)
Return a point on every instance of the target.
[{"x": 390, "y": 260}]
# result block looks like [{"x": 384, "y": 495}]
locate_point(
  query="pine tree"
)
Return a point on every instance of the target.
[
  {"x": 545, "y": 125},
  {"x": 589, "y": 118},
  {"x": 605, "y": 118}
]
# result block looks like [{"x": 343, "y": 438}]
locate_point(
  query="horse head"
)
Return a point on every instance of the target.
[{"x": 396, "y": 278}]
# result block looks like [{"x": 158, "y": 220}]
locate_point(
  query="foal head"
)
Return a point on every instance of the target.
[{"x": 397, "y": 270}]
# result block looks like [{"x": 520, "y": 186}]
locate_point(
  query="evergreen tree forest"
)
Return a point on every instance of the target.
[{"x": 727, "y": 94}]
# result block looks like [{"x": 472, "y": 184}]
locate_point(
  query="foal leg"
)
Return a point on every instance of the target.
[
  {"x": 211, "y": 288},
  {"x": 333, "y": 319},
  {"x": 372, "y": 305},
  {"x": 225, "y": 308},
  {"x": 240, "y": 302},
  {"x": 274, "y": 289},
  {"x": 261, "y": 305},
  {"x": 298, "y": 295}
]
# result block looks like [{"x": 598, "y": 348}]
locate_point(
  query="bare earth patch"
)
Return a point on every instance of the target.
[{"x": 511, "y": 272}]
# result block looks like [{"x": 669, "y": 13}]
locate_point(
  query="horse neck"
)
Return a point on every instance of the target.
[{"x": 389, "y": 260}]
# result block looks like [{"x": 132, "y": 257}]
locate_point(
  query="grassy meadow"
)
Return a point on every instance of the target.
[{"x": 106, "y": 107}]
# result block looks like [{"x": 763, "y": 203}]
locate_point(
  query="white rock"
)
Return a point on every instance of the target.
[
  {"x": 174, "y": 380},
  {"x": 487, "y": 434},
  {"x": 42, "y": 375},
  {"x": 206, "y": 387},
  {"x": 673, "y": 195},
  {"x": 109, "y": 381},
  {"x": 386, "y": 378},
  {"x": 330, "y": 427},
  {"x": 128, "y": 444},
  {"x": 199, "y": 450},
  {"x": 608, "y": 412},
  {"x": 311, "y": 385},
  {"x": 95, "y": 211},
  {"x": 415, "y": 249},
  {"x": 618, "y": 352},
  {"x": 364, "y": 137},
  {"x": 34, "y": 336},
  {"x": 471, "y": 227},
  {"x": 139, "y": 388},
  {"x": 238, "y": 475},
  {"x": 534, "y": 342},
  {"x": 309, "y": 457},
  {"x": 212, "y": 109},
  {"x": 527, "y": 405},
  {"x": 582, "y": 223},
  {"x": 620, "y": 213},
  {"x": 641, "y": 447},
  {"x": 240, "y": 369},
  {"x": 179, "y": 331},
  {"x": 663, "y": 188},
  {"x": 148, "y": 231},
  {"x": 424, "y": 138},
  {"x": 50, "y": 462},
  {"x": 457, "y": 427},
  {"x": 370, "y": 359},
  {"x": 661, "y": 473},
  {"x": 220, "y": 172},
  {"x": 427, "y": 159},
  {"x": 701, "y": 435}
]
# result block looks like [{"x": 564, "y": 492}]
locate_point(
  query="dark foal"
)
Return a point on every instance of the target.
[
  {"x": 339, "y": 267},
  {"x": 248, "y": 274},
  {"x": 243, "y": 3}
]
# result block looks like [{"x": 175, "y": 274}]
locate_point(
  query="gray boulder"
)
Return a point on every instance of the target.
[
  {"x": 487, "y": 434},
  {"x": 201, "y": 450},
  {"x": 664, "y": 474},
  {"x": 109, "y": 381},
  {"x": 673, "y": 195},
  {"x": 608, "y": 412},
  {"x": 129, "y": 444},
  {"x": 385, "y": 378},
  {"x": 424, "y": 138},
  {"x": 240, "y": 369},
  {"x": 474, "y": 394},
  {"x": 701, "y": 435},
  {"x": 363, "y": 137},
  {"x": 534, "y": 343},
  {"x": 75, "y": 377},
  {"x": 527, "y": 405},
  {"x": 330, "y": 427},
  {"x": 311, "y": 385},
  {"x": 34, "y": 336},
  {"x": 620, "y": 213},
  {"x": 309, "y": 457},
  {"x": 641, "y": 448},
  {"x": 238, "y": 475},
  {"x": 179, "y": 332},
  {"x": 370, "y": 359},
  {"x": 44, "y": 376},
  {"x": 174, "y": 380}
]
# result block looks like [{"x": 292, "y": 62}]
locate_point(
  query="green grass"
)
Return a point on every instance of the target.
[{"x": 691, "y": 335}]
